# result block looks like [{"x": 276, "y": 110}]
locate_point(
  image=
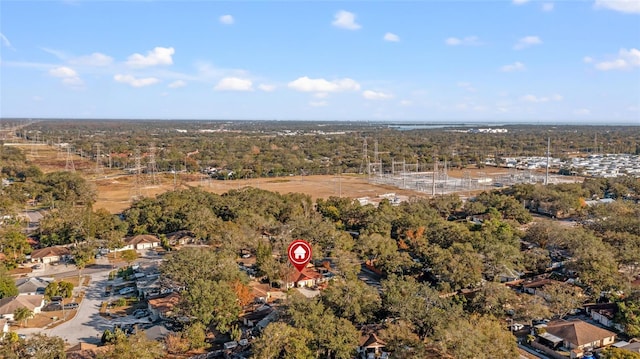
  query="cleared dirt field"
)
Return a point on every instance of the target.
[{"x": 116, "y": 190}]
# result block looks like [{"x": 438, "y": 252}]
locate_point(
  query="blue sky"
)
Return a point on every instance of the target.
[{"x": 534, "y": 61}]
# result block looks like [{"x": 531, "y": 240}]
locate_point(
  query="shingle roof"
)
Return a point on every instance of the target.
[
  {"x": 32, "y": 284},
  {"x": 56, "y": 251},
  {"x": 165, "y": 304},
  {"x": 143, "y": 238},
  {"x": 10, "y": 304},
  {"x": 371, "y": 341},
  {"x": 577, "y": 332}
]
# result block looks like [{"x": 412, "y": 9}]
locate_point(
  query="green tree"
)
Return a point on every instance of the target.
[
  {"x": 186, "y": 266},
  {"x": 629, "y": 315},
  {"x": 129, "y": 256},
  {"x": 211, "y": 302},
  {"x": 14, "y": 245},
  {"x": 196, "y": 335},
  {"x": 22, "y": 314},
  {"x": 83, "y": 255},
  {"x": 562, "y": 298},
  {"x": 134, "y": 346},
  {"x": 282, "y": 341},
  {"x": 43, "y": 346},
  {"x": 619, "y": 353},
  {"x": 7, "y": 284},
  {"x": 476, "y": 337},
  {"x": 353, "y": 300},
  {"x": 62, "y": 288}
]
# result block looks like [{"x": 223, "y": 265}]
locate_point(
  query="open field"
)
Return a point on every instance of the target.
[{"x": 116, "y": 190}]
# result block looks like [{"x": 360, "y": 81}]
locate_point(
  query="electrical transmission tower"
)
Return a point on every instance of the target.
[
  {"x": 137, "y": 179},
  {"x": 152, "y": 169},
  {"x": 365, "y": 158},
  {"x": 99, "y": 169},
  {"x": 69, "y": 166}
]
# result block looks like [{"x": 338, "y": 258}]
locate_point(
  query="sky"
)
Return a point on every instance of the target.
[{"x": 518, "y": 61}]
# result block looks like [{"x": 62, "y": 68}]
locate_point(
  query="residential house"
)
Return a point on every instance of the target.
[
  {"x": 370, "y": 347},
  {"x": 575, "y": 335},
  {"x": 162, "y": 307},
  {"x": 632, "y": 346},
  {"x": 32, "y": 285},
  {"x": 537, "y": 285},
  {"x": 604, "y": 313},
  {"x": 157, "y": 332},
  {"x": 53, "y": 254},
  {"x": 252, "y": 319},
  {"x": 307, "y": 278},
  {"x": 180, "y": 238},
  {"x": 9, "y": 305},
  {"x": 141, "y": 241}
]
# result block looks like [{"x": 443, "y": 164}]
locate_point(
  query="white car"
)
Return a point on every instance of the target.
[
  {"x": 126, "y": 290},
  {"x": 515, "y": 327}
]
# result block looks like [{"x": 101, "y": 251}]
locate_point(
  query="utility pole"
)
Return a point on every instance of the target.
[
  {"x": 435, "y": 171},
  {"x": 546, "y": 177}
]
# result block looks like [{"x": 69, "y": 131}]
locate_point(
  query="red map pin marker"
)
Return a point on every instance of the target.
[{"x": 299, "y": 254}]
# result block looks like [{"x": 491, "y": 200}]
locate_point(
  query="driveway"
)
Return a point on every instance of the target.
[{"x": 87, "y": 325}]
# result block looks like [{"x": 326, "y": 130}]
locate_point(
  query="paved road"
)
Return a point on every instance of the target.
[{"x": 88, "y": 325}]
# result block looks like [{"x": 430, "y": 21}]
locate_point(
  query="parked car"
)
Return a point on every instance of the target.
[
  {"x": 71, "y": 306},
  {"x": 126, "y": 290},
  {"x": 52, "y": 307},
  {"x": 517, "y": 326},
  {"x": 139, "y": 313},
  {"x": 56, "y": 298}
]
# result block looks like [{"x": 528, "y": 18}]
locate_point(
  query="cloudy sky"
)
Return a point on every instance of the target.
[{"x": 535, "y": 61}]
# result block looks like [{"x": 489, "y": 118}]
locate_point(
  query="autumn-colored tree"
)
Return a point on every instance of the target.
[{"x": 243, "y": 292}]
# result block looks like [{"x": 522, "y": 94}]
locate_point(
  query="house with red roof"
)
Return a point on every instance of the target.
[{"x": 307, "y": 278}]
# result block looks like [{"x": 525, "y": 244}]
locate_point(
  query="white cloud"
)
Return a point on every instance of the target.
[
  {"x": 318, "y": 103},
  {"x": 627, "y": 6},
  {"x": 227, "y": 19},
  {"x": 516, "y": 66},
  {"x": 68, "y": 75},
  {"x": 57, "y": 53},
  {"x": 306, "y": 84},
  {"x": 582, "y": 112},
  {"x": 547, "y": 6},
  {"x": 391, "y": 37},
  {"x": 345, "y": 20},
  {"x": 527, "y": 41},
  {"x": 177, "y": 84},
  {"x": 266, "y": 88},
  {"x": 376, "y": 95},
  {"x": 157, "y": 56},
  {"x": 95, "y": 59},
  {"x": 536, "y": 99},
  {"x": 405, "y": 103},
  {"x": 63, "y": 72},
  {"x": 627, "y": 59},
  {"x": 520, "y": 2},
  {"x": 587, "y": 59},
  {"x": 234, "y": 84},
  {"x": 5, "y": 42},
  {"x": 467, "y": 41},
  {"x": 467, "y": 86},
  {"x": 136, "y": 82}
]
